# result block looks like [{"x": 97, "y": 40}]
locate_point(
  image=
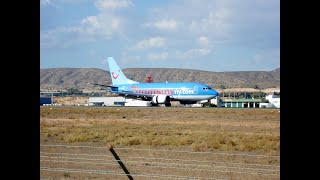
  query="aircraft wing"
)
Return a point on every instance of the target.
[
  {"x": 103, "y": 85},
  {"x": 129, "y": 94}
]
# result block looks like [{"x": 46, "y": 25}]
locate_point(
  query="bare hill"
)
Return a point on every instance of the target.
[{"x": 64, "y": 78}]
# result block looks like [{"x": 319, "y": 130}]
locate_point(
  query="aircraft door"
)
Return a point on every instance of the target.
[{"x": 195, "y": 89}]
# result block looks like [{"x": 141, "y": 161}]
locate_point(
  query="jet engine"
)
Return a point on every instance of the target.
[{"x": 161, "y": 99}]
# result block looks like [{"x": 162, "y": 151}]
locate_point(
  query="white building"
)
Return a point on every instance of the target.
[
  {"x": 193, "y": 105},
  {"x": 216, "y": 101},
  {"x": 116, "y": 101},
  {"x": 106, "y": 101},
  {"x": 265, "y": 105},
  {"x": 135, "y": 102},
  {"x": 274, "y": 100}
]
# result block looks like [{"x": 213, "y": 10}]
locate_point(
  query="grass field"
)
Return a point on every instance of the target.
[{"x": 254, "y": 131}]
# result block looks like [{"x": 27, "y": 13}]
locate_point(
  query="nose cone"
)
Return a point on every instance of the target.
[{"x": 215, "y": 93}]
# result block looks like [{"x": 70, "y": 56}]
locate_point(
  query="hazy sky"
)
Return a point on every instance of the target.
[{"x": 212, "y": 35}]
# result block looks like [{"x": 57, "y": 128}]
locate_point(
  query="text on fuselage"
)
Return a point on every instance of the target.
[{"x": 136, "y": 90}]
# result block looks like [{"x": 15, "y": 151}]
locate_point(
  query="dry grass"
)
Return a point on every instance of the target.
[
  {"x": 254, "y": 131},
  {"x": 200, "y": 128}
]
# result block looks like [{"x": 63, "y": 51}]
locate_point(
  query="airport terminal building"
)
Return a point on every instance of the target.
[
  {"x": 241, "y": 103},
  {"x": 270, "y": 101}
]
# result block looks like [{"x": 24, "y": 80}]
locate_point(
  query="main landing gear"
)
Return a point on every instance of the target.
[{"x": 167, "y": 104}]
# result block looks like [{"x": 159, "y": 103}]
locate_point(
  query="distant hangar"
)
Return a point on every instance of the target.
[{"x": 45, "y": 100}]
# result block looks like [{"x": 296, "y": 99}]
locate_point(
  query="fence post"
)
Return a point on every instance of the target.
[{"x": 120, "y": 162}]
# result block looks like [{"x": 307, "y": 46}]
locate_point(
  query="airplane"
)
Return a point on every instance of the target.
[{"x": 157, "y": 93}]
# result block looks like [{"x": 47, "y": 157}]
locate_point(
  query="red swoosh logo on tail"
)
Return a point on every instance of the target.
[{"x": 115, "y": 77}]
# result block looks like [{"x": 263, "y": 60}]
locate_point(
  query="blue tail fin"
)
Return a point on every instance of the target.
[{"x": 117, "y": 75}]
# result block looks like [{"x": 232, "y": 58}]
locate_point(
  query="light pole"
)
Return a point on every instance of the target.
[{"x": 51, "y": 88}]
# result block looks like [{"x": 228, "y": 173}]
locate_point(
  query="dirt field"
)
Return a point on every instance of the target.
[{"x": 160, "y": 143}]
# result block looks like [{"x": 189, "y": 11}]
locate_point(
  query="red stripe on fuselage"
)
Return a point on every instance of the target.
[{"x": 136, "y": 90}]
